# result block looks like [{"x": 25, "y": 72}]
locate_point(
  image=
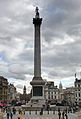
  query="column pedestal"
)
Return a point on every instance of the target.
[{"x": 37, "y": 89}]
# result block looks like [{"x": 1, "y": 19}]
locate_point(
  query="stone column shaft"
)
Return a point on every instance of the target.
[{"x": 37, "y": 52}]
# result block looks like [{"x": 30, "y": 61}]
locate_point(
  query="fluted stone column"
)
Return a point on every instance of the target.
[{"x": 37, "y": 45}]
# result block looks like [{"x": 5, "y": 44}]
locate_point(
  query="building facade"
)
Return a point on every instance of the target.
[
  {"x": 59, "y": 95},
  {"x": 25, "y": 97},
  {"x": 12, "y": 93},
  {"x": 51, "y": 92},
  {"x": 77, "y": 84},
  {"x": 3, "y": 90},
  {"x": 69, "y": 96}
]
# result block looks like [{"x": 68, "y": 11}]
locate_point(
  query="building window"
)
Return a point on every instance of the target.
[
  {"x": 78, "y": 85},
  {"x": 78, "y": 89},
  {"x": 76, "y": 95},
  {"x": 49, "y": 93},
  {"x": 52, "y": 97},
  {"x": 49, "y": 97}
]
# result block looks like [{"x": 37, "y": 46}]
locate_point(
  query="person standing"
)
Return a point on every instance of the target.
[
  {"x": 8, "y": 112},
  {"x": 18, "y": 116},
  {"x": 63, "y": 114},
  {"x": 8, "y": 115},
  {"x": 19, "y": 111},
  {"x": 11, "y": 115},
  {"x": 24, "y": 111},
  {"x": 59, "y": 114},
  {"x": 66, "y": 116}
]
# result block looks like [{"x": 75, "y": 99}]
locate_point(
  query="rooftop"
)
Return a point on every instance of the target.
[{"x": 77, "y": 80}]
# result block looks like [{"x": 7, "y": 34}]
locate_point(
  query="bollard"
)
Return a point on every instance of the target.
[
  {"x": 30, "y": 112},
  {"x": 36, "y": 112},
  {"x": 48, "y": 111},
  {"x": 53, "y": 111}
]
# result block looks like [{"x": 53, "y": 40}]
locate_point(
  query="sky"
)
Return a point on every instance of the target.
[{"x": 60, "y": 41}]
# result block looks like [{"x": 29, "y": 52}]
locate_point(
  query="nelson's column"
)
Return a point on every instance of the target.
[{"x": 37, "y": 81}]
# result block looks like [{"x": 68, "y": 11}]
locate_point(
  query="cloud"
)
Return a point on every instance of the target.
[
  {"x": 60, "y": 36},
  {"x": 19, "y": 86}
]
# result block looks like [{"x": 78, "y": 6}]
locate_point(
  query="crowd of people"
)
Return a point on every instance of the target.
[
  {"x": 62, "y": 115},
  {"x": 9, "y": 112}
]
